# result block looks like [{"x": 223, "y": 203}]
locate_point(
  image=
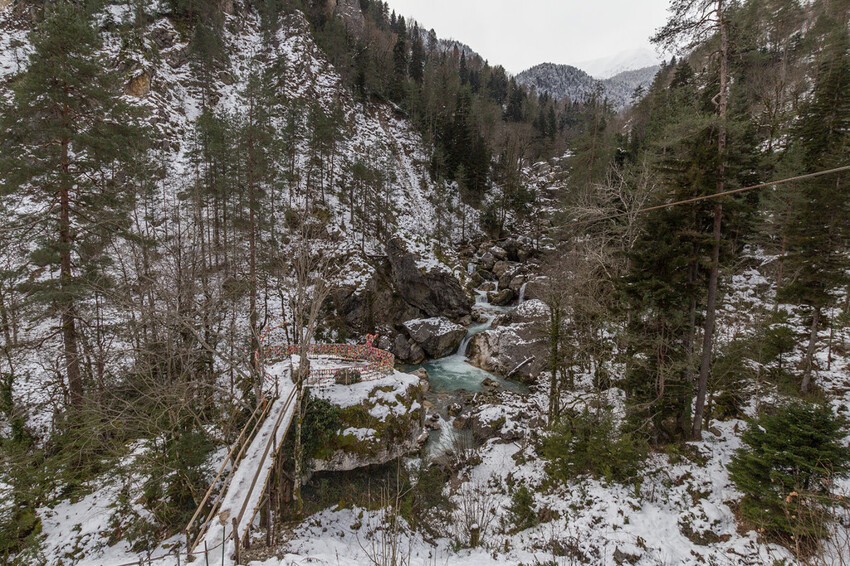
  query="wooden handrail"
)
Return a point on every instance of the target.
[
  {"x": 223, "y": 466},
  {"x": 253, "y": 422},
  {"x": 214, "y": 508},
  {"x": 271, "y": 442}
]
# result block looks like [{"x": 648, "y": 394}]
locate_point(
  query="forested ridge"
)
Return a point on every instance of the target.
[{"x": 178, "y": 177}]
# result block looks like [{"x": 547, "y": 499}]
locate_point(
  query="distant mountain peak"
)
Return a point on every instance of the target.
[
  {"x": 629, "y": 60},
  {"x": 566, "y": 81}
]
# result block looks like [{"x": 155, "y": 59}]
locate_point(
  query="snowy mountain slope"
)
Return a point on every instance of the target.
[
  {"x": 162, "y": 79},
  {"x": 628, "y": 60},
  {"x": 565, "y": 81},
  {"x": 176, "y": 98}
]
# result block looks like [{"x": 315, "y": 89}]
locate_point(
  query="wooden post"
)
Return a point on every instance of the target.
[
  {"x": 474, "y": 536},
  {"x": 269, "y": 522},
  {"x": 236, "y": 540},
  {"x": 188, "y": 547}
]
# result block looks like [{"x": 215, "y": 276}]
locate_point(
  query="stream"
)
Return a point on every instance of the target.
[{"x": 449, "y": 377}]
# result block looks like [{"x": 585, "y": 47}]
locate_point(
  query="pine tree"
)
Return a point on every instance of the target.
[
  {"x": 401, "y": 62},
  {"x": 66, "y": 137},
  {"x": 417, "y": 55},
  {"x": 789, "y": 456},
  {"x": 818, "y": 233},
  {"x": 695, "y": 20}
]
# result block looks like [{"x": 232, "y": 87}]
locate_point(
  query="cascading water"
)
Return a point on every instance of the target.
[
  {"x": 522, "y": 293},
  {"x": 450, "y": 375},
  {"x": 453, "y": 373}
]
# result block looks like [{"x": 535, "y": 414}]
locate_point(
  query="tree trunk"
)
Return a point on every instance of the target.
[
  {"x": 809, "y": 360},
  {"x": 252, "y": 261},
  {"x": 68, "y": 316},
  {"x": 298, "y": 450},
  {"x": 714, "y": 276},
  {"x": 554, "y": 341}
]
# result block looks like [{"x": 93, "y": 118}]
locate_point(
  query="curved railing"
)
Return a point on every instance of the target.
[{"x": 370, "y": 362}]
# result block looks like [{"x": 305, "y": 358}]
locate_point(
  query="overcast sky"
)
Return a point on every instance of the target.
[{"x": 522, "y": 33}]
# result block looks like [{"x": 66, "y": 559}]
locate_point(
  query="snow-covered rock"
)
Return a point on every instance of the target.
[
  {"x": 438, "y": 336},
  {"x": 381, "y": 420}
]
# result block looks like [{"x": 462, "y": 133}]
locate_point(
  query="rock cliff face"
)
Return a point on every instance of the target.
[
  {"x": 406, "y": 286},
  {"x": 433, "y": 291}
]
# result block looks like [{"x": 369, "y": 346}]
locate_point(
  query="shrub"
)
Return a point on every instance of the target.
[
  {"x": 590, "y": 443},
  {"x": 521, "y": 510},
  {"x": 347, "y": 376},
  {"x": 789, "y": 459},
  {"x": 426, "y": 506},
  {"x": 321, "y": 423}
]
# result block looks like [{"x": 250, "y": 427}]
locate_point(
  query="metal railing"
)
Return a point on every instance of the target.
[{"x": 373, "y": 363}]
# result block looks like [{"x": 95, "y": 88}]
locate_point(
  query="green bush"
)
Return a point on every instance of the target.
[
  {"x": 321, "y": 423},
  {"x": 590, "y": 443},
  {"x": 521, "y": 511},
  {"x": 789, "y": 459}
]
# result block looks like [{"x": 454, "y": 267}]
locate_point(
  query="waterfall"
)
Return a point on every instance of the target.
[
  {"x": 522, "y": 293},
  {"x": 461, "y": 351}
]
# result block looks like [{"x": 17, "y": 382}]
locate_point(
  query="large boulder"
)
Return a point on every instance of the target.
[
  {"x": 499, "y": 252},
  {"x": 537, "y": 288},
  {"x": 430, "y": 289},
  {"x": 407, "y": 351},
  {"x": 500, "y": 298},
  {"x": 501, "y": 268},
  {"x": 438, "y": 336},
  {"x": 516, "y": 350},
  {"x": 487, "y": 262}
]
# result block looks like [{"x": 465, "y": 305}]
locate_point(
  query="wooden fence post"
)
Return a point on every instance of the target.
[
  {"x": 474, "y": 536},
  {"x": 236, "y": 539}
]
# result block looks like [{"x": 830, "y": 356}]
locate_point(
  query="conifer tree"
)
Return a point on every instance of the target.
[
  {"x": 818, "y": 232},
  {"x": 694, "y": 21},
  {"x": 789, "y": 456},
  {"x": 65, "y": 137},
  {"x": 417, "y": 55}
]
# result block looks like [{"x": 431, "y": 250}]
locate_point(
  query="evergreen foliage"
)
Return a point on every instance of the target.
[
  {"x": 69, "y": 140},
  {"x": 790, "y": 458},
  {"x": 591, "y": 443},
  {"x": 521, "y": 510}
]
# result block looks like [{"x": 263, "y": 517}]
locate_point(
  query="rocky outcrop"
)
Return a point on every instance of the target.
[
  {"x": 379, "y": 422},
  {"x": 349, "y": 11},
  {"x": 374, "y": 304},
  {"x": 517, "y": 348},
  {"x": 433, "y": 291},
  {"x": 139, "y": 85},
  {"x": 439, "y": 337}
]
